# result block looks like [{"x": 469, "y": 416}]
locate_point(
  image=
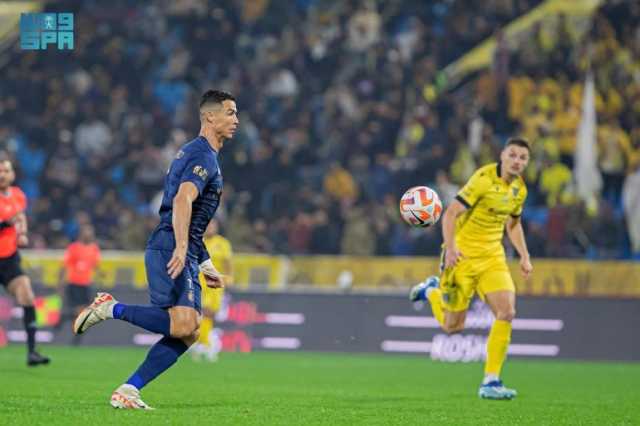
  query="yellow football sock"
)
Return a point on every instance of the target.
[
  {"x": 497, "y": 345},
  {"x": 435, "y": 298},
  {"x": 206, "y": 325}
]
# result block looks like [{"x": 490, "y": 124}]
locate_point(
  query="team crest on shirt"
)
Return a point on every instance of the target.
[
  {"x": 200, "y": 172},
  {"x": 515, "y": 191}
]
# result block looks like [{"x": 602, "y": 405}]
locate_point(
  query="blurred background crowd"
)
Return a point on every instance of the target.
[{"x": 340, "y": 112}]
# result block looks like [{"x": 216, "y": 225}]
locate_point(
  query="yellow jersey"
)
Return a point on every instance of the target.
[
  {"x": 219, "y": 249},
  {"x": 490, "y": 201}
]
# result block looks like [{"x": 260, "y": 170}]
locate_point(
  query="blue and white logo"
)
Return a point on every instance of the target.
[{"x": 38, "y": 31}]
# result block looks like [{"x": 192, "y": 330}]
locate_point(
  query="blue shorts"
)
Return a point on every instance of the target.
[{"x": 166, "y": 292}]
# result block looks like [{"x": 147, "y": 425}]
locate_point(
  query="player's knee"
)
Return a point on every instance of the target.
[
  {"x": 26, "y": 300},
  {"x": 24, "y": 294},
  {"x": 453, "y": 324},
  {"x": 506, "y": 314},
  {"x": 183, "y": 323},
  {"x": 190, "y": 339},
  {"x": 184, "y": 327},
  {"x": 453, "y": 328}
]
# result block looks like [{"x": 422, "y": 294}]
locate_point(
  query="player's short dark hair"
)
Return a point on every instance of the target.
[
  {"x": 215, "y": 97},
  {"x": 518, "y": 142}
]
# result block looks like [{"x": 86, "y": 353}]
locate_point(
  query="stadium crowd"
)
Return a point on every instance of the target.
[{"x": 338, "y": 117}]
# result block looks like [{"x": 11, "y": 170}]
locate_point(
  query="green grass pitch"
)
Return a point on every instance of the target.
[{"x": 312, "y": 389}]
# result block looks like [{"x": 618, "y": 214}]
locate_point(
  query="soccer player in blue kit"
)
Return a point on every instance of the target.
[{"x": 175, "y": 252}]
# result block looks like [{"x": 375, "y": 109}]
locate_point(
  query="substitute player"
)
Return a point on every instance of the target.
[
  {"x": 193, "y": 187},
  {"x": 473, "y": 257},
  {"x": 209, "y": 345},
  {"x": 80, "y": 262},
  {"x": 13, "y": 232}
]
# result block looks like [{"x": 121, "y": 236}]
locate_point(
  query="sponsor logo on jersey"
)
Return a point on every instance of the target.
[{"x": 201, "y": 172}]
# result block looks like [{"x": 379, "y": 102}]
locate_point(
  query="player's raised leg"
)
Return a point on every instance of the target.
[
  {"x": 152, "y": 318},
  {"x": 502, "y": 304},
  {"x": 184, "y": 297},
  {"x": 451, "y": 321},
  {"x": 157, "y": 318},
  {"x": 20, "y": 288},
  {"x": 429, "y": 289}
]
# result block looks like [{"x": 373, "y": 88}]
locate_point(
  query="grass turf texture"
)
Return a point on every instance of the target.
[{"x": 312, "y": 388}]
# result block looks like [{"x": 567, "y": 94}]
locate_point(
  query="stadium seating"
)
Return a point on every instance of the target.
[{"x": 338, "y": 118}]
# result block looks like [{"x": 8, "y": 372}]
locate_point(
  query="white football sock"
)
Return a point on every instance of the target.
[{"x": 489, "y": 378}]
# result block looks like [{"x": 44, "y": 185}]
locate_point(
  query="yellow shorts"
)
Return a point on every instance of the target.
[
  {"x": 484, "y": 275},
  {"x": 211, "y": 301},
  {"x": 212, "y": 298},
  {"x": 206, "y": 325}
]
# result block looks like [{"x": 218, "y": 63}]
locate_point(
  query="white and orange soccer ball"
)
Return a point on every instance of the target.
[{"x": 420, "y": 206}]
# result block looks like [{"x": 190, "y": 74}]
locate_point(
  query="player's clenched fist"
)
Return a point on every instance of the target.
[
  {"x": 525, "y": 267},
  {"x": 213, "y": 278}
]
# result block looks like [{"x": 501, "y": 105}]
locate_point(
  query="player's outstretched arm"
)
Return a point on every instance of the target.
[
  {"x": 452, "y": 254},
  {"x": 181, "y": 219},
  {"x": 516, "y": 236}
]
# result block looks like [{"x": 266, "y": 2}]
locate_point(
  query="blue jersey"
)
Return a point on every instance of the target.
[{"x": 196, "y": 162}]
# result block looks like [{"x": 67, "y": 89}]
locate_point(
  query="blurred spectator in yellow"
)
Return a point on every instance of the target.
[{"x": 339, "y": 183}]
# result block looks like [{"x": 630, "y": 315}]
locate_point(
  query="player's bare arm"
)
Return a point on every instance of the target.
[
  {"x": 516, "y": 236},
  {"x": 182, "y": 203},
  {"x": 452, "y": 254}
]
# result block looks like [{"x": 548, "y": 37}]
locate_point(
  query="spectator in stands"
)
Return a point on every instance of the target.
[{"x": 352, "y": 83}]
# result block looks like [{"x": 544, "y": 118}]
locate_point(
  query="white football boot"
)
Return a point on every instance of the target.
[
  {"x": 127, "y": 397},
  {"x": 100, "y": 310}
]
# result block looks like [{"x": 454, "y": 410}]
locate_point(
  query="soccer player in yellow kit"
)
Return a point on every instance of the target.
[
  {"x": 221, "y": 255},
  {"x": 473, "y": 257}
]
